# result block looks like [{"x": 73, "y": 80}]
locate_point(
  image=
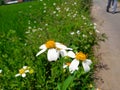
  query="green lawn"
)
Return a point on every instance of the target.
[{"x": 14, "y": 17}]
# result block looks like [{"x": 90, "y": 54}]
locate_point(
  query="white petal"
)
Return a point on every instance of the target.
[
  {"x": 71, "y": 54},
  {"x": 61, "y": 46},
  {"x": 78, "y": 32},
  {"x": 72, "y": 33},
  {"x": 0, "y": 71},
  {"x": 43, "y": 47},
  {"x": 85, "y": 66},
  {"x": 43, "y": 50},
  {"x": 17, "y": 75},
  {"x": 88, "y": 61},
  {"x": 69, "y": 49},
  {"x": 74, "y": 65},
  {"x": 24, "y": 67},
  {"x": 63, "y": 53},
  {"x": 65, "y": 66},
  {"x": 27, "y": 71},
  {"x": 23, "y": 75},
  {"x": 52, "y": 55}
]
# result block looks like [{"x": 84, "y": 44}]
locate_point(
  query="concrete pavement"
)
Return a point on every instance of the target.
[{"x": 110, "y": 49}]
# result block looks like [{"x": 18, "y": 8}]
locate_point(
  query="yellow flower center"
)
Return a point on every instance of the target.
[
  {"x": 68, "y": 64},
  {"x": 21, "y": 71},
  {"x": 80, "y": 56},
  {"x": 50, "y": 44}
]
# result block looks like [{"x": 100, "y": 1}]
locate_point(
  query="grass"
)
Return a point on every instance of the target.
[
  {"x": 26, "y": 26},
  {"x": 12, "y": 18}
]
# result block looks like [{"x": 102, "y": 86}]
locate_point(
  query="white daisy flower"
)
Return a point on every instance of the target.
[
  {"x": 83, "y": 17},
  {"x": 72, "y": 33},
  {"x": 67, "y": 9},
  {"x": 84, "y": 35},
  {"x": 74, "y": 15},
  {"x": 0, "y": 71},
  {"x": 77, "y": 58},
  {"x": 22, "y": 72},
  {"x": 54, "y": 12},
  {"x": 58, "y": 8},
  {"x": 54, "y": 4},
  {"x": 78, "y": 32},
  {"x": 75, "y": 3},
  {"x": 54, "y": 50},
  {"x": 44, "y": 11},
  {"x": 29, "y": 27},
  {"x": 46, "y": 24},
  {"x": 40, "y": 29},
  {"x": 97, "y": 31},
  {"x": 95, "y": 24}
]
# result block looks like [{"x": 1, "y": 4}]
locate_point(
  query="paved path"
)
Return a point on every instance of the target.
[{"x": 110, "y": 24}]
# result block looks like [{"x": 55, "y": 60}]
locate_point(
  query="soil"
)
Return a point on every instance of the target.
[{"x": 108, "y": 23}]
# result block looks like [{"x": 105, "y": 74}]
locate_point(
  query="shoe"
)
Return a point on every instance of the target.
[
  {"x": 113, "y": 12},
  {"x": 107, "y": 10}
]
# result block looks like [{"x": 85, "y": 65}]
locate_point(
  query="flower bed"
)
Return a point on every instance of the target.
[{"x": 56, "y": 50}]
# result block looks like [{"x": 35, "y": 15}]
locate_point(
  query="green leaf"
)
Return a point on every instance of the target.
[
  {"x": 59, "y": 86},
  {"x": 67, "y": 82}
]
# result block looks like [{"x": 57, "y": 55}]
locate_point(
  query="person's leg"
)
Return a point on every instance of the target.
[
  {"x": 108, "y": 5},
  {"x": 112, "y": 2},
  {"x": 114, "y": 6}
]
